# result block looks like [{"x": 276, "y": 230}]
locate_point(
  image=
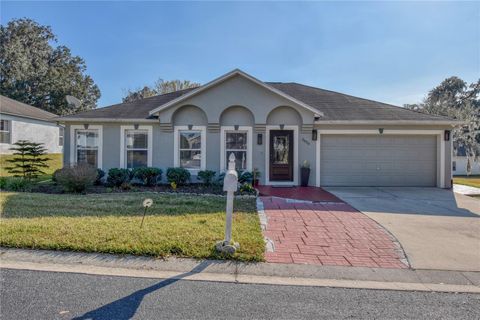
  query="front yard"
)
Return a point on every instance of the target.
[
  {"x": 180, "y": 225},
  {"x": 55, "y": 162},
  {"x": 472, "y": 181}
]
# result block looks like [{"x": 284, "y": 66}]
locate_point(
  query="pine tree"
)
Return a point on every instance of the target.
[{"x": 29, "y": 159}]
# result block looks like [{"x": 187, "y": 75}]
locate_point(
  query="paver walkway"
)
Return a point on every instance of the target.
[{"x": 327, "y": 234}]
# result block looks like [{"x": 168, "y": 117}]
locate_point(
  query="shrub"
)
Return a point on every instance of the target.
[
  {"x": 76, "y": 178},
  {"x": 206, "y": 176},
  {"x": 246, "y": 188},
  {"x": 178, "y": 175},
  {"x": 15, "y": 184},
  {"x": 149, "y": 176},
  {"x": 100, "y": 175},
  {"x": 245, "y": 177},
  {"x": 116, "y": 176},
  {"x": 54, "y": 175}
]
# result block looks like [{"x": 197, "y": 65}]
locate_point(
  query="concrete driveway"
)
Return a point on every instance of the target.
[{"x": 437, "y": 228}]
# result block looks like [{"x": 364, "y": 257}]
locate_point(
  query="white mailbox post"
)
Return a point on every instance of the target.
[{"x": 230, "y": 185}]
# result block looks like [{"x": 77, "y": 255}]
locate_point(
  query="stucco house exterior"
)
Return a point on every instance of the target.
[
  {"x": 20, "y": 121},
  {"x": 270, "y": 126}
]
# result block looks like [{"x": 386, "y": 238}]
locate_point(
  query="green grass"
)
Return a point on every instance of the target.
[
  {"x": 472, "y": 181},
  {"x": 180, "y": 225},
  {"x": 56, "y": 162}
]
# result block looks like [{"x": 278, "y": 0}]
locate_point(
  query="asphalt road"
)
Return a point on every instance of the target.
[{"x": 50, "y": 295}]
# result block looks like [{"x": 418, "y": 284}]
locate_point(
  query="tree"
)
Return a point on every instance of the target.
[
  {"x": 455, "y": 99},
  {"x": 35, "y": 72},
  {"x": 29, "y": 159},
  {"x": 160, "y": 87}
]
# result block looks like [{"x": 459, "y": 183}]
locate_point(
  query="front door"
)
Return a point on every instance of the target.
[{"x": 281, "y": 155}]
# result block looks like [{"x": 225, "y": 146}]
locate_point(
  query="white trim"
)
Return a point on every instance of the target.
[
  {"x": 223, "y": 132},
  {"x": 73, "y": 147},
  {"x": 149, "y": 130},
  {"x": 226, "y": 77},
  {"x": 392, "y": 122},
  {"x": 176, "y": 145},
  {"x": 317, "y": 157},
  {"x": 295, "y": 155},
  {"x": 386, "y": 131},
  {"x": 90, "y": 120}
]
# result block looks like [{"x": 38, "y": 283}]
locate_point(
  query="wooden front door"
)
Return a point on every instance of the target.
[{"x": 281, "y": 155}]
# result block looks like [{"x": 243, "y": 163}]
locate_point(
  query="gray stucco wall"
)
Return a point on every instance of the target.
[{"x": 32, "y": 130}]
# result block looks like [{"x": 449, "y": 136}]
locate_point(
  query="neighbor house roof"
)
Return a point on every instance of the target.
[
  {"x": 17, "y": 108},
  {"x": 329, "y": 106}
]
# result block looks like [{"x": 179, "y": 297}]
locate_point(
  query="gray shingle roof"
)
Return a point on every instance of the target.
[
  {"x": 138, "y": 109},
  {"x": 17, "y": 108},
  {"x": 339, "y": 106},
  {"x": 335, "y": 106}
]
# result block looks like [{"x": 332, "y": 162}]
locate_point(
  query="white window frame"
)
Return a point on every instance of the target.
[
  {"x": 223, "y": 139},
  {"x": 441, "y": 181},
  {"x": 73, "y": 147},
  {"x": 295, "y": 155},
  {"x": 203, "y": 147},
  {"x": 123, "y": 149},
  {"x": 9, "y": 131}
]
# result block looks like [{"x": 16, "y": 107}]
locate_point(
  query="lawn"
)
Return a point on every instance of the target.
[
  {"x": 180, "y": 225},
  {"x": 472, "y": 181},
  {"x": 55, "y": 163}
]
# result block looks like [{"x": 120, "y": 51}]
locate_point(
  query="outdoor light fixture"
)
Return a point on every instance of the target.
[
  {"x": 190, "y": 126},
  {"x": 135, "y": 126},
  {"x": 282, "y": 126},
  {"x": 314, "y": 135},
  {"x": 236, "y": 127},
  {"x": 85, "y": 126},
  {"x": 447, "y": 135},
  {"x": 380, "y": 130},
  {"x": 259, "y": 139}
]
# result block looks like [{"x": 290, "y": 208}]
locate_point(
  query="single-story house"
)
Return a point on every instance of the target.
[
  {"x": 459, "y": 163},
  {"x": 20, "y": 121},
  {"x": 272, "y": 127}
]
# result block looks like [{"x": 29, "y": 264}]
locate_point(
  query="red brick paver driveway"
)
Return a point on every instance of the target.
[{"x": 332, "y": 234}]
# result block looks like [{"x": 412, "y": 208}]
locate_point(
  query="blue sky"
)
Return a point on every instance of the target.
[{"x": 387, "y": 51}]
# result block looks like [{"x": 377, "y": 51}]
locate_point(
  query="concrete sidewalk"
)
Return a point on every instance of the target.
[
  {"x": 229, "y": 271},
  {"x": 466, "y": 190}
]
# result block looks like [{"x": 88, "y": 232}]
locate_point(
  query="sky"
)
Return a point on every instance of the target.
[{"x": 393, "y": 52}]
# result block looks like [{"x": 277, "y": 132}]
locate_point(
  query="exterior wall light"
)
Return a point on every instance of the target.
[
  {"x": 135, "y": 126},
  {"x": 282, "y": 126},
  {"x": 447, "y": 135},
  {"x": 314, "y": 135},
  {"x": 190, "y": 126},
  {"x": 236, "y": 127},
  {"x": 259, "y": 139},
  {"x": 380, "y": 130},
  {"x": 85, "y": 126}
]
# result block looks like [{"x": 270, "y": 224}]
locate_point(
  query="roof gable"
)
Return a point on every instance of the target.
[{"x": 224, "y": 78}]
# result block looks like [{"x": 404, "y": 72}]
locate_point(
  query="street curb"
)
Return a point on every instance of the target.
[{"x": 243, "y": 273}]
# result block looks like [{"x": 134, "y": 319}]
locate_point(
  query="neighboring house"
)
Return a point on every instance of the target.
[
  {"x": 459, "y": 163},
  {"x": 271, "y": 126},
  {"x": 20, "y": 121}
]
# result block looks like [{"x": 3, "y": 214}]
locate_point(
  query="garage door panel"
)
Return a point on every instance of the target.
[{"x": 353, "y": 160}]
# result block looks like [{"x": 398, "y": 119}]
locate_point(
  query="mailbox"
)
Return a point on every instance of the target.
[{"x": 230, "y": 181}]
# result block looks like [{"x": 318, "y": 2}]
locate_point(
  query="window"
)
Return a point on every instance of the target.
[
  {"x": 136, "y": 148},
  {"x": 86, "y": 147},
  {"x": 236, "y": 143},
  {"x": 190, "y": 149},
  {"x": 61, "y": 136},
  {"x": 454, "y": 166},
  {"x": 5, "y": 131}
]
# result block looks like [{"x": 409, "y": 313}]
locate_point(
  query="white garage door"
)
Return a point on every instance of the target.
[{"x": 378, "y": 160}]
